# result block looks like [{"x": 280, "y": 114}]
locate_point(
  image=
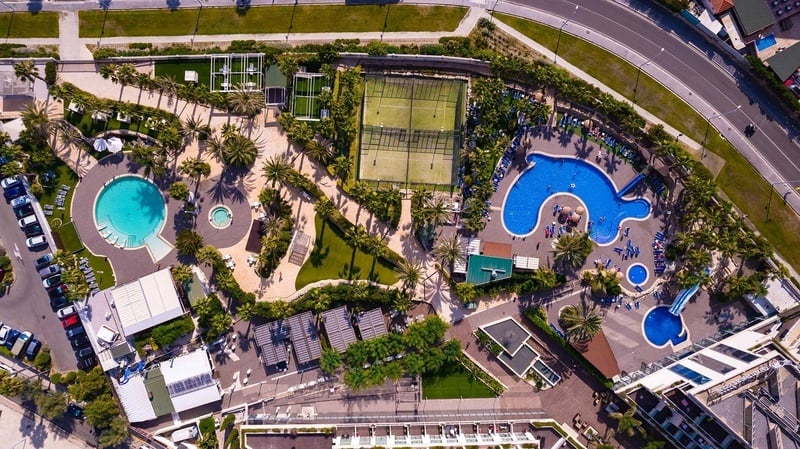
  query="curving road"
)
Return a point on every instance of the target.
[{"x": 639, "y": 31}]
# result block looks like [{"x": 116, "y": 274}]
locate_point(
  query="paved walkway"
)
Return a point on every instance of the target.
[{"x": 20, "y": 428}]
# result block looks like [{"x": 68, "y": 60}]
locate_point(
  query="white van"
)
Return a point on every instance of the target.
[{"x": 29, "y": 220}]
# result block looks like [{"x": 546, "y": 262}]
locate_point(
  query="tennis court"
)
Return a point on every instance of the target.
[
  {"x": 411, "y": 130},
  {"x": 305, "y": 95}
]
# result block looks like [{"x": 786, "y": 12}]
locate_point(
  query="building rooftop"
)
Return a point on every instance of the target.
[
  {"x": 753, "y": 15},
  {"x": 482, "y": 269},
  {"x": 304, "y": 336},
  {"x": 507, "y": 333},
  {"x": 339, "y": 328},
  {"x": 270, "y": 338},
  {"x": 146, "y": 302},
  {"x": 371, "y": 324}
]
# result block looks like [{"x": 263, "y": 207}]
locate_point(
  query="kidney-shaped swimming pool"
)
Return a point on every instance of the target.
[{"x": 548, "y": 176}]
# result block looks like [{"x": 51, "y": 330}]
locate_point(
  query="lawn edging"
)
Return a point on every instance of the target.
[{"x": 474, "y": 367}]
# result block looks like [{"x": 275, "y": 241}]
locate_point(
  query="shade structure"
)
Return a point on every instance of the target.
[
  {"x": 580, "y": 210},
  {"x": 115, "y": 145},
  {"x": 566, "y": 210},
  {"x": 100, "y": 144}
]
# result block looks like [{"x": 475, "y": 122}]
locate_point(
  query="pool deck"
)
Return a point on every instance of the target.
[
  {"x": 132, "y": 264},
  {"x": 622, "y": 327}
]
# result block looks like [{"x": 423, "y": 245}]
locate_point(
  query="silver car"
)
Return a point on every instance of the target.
[{"x": 46, "y": 272}]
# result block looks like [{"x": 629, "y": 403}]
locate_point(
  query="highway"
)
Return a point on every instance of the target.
[{"x": 712, "y": 77}]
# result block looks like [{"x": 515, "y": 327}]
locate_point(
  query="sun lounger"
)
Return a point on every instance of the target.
[
  {"x": 628, "y": 306},
  {"x": 638, "y": 289},
  {"x": 636, "y": 304},
  {"x": 48, "y": 212}
]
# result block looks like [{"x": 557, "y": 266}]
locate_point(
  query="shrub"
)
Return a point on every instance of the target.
[
  {"x": 167, "y": 333},
  {"x": 43, "y": 361},
  {"x": 50, "y": 73}
]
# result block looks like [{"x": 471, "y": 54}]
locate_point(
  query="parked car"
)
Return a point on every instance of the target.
[
  {"x": 67, "y": 311},
  {"x": 75, "y": 331},
  {"x": 61, "y": 290},
  {"x": 70, "y": 321},
  {"x": 11, "y": 181},
  {"x": 21, "y": 344},
  {"x": 33, "y": 230},
  {"x": 33, "y": 348},
  {"x": 23, "y": 211},
  {"x": 27, "y": 221},
  {"x": 48, "y": 271},
  {"x": 4, "y": 330},
  {"x": 52, "y": 281},
  {"x": 80, "y": 341},
  {"x": 21, "y": 201},
  {"x": 14, "y": 192},
  {"x": 83, "y": 353},
  {"x": 106, "y": 335},
  {"x": 58, "y": 302},
  {"x": 87, "y": 363},
  {"x": 36, "y": 242},
  {"x": 75, "y": 411},
  {"x": 13, "y": 334},
  {"x": 43, "y": 261}
]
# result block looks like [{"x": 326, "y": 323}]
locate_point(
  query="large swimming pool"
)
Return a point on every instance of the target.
[
  {"x": 548, "y": 176},
  {"x": 660, "y": 327},
  {"x": 129, "y": 212}
]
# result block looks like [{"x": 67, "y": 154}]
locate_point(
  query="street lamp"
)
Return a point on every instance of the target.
[
  {"x": 639, "y": 72},
  {"x": 197, "y": 21},
  {"x": 678, "y": 137},
  {"x": 558, "y": 42},
  {"x": 771, "y": 189},
  {"x": 708, "y": 125}
]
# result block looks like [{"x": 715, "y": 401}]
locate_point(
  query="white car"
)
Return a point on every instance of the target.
[
  {"x": 4, "y": 330},
  {"x": 27, "y": 221},
  {"x": 9, "y": 182},
  {"x": 36, "y": 242},
  {"x": 67, "y": 311}
]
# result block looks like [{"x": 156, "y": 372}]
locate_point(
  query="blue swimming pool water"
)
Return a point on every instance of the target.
[
  {"x": 551, "y": 176},
  {"x": 661, "y": 327},
  {"x": 131, "y": 209},
  {"x": 637, "y": 274},
  {"x": 766, "y": 42},
  {"x": 220, "y": 216}
]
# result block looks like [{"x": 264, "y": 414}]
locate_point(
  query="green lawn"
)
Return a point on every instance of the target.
[
  {"x": 331, "y": 258},
  {"x": 175, "y": 69},
  {"x": 739, "y": 181},
  {"x": 26, "y": 24},
  {"x": 65, "y": 176},
  {"x": 270, "y": 19},
  {"x": 68, "y": 235},
  {"x": 454, "y": 382}
]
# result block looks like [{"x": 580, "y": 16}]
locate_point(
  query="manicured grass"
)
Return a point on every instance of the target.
[
  {"x": 270, "y": 19},
  {"x": 333, "y": 258},
  {"x": 26, "y": 24},
  {"x": 92, "y": 128},
  {"x": 738, "y": 180},
  {"x": 454, "y": 382},
  {"x": 65, "y": 176},
  {"x": 176, "y": 69},
  {"x": 70, "y": 242}
]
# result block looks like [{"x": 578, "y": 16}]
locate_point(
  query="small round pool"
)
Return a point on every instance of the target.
[
  {"x": 220, "y": 216},
  {"x": 129, "y": 210},
  {"x": 661, "y": 327},
  {"x": 637, "y": 274}
]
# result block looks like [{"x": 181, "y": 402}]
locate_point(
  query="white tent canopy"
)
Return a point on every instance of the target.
[
  {"x": 115, "y": 145},
  {"x": 100, "y": 145}
]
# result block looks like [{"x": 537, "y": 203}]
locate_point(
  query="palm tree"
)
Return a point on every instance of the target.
[
  {"x": 317, "y": 151},
  {"x": 437, "y": 211},
  {"x": 36, "y": 120},
  {"x": 246, "y": 102},
  {"x": 449, "y": 251},
  {"x": 341, "y": 167},
  {"x": 572, "y": 250},
  {"x": 300, "y": 133},
  {"x": 181, "y": 273},
  {"x": 196, "y": 169},
  {"x": 628, "y": 424},
  {"x": 240, "y": 151},
  {"x": 188, "y": 242},
  {"x": 192, "y": 127},
  {"x": 581, "y": 321},
  {"x": 126, "y": 73},
  {"x": 26, "y": 71},
  {"x": 276, "y": 168},
  {"x": 410, "y": 273},
  {"x": 166, "y": 84}
]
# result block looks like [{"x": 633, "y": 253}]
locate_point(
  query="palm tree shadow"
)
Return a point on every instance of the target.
[{"x": 319, "y": 254}]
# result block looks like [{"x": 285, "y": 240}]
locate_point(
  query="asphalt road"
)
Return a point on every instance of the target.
[
  {"x": 26, "y": 306},
  {"x": 689, "y": 58}
]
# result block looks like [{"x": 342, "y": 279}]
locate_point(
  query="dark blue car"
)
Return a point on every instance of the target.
[
  {"x": 14, "y": 192},
  {"x": 13, "y": 334}
]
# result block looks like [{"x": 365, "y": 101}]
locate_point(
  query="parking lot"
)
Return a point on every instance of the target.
[{"x": 26, "y": 305}]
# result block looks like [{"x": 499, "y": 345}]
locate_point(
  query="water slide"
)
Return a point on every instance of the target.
[
  {"x": 683, "y": 297},
  {"x": 630, "y": 185}
]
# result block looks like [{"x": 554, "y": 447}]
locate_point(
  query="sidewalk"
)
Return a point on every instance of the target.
[{"x": 20, "y": 428}]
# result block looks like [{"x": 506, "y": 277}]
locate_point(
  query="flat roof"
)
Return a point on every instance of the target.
[
  {"x": 135, "y": 399},
  {"x": 270, "y": 337},
  {"x": 753, "y": 15},
  {"x": 189, "y": 380},
  {"x": 157, "y": 389},
  {"x": 507, "y": 333},
  {"x": 482, "y": 269},
  {"x": 146, "y": 302},
  {"x": 371, "y": 324},
  {"x": 253, "y": 244},
  {"x": 786, "y": 62},
  {"x": 521, "y": 361},
  {"x": 339, "y": 328},
  {"x": 284, "y": 441},
  {"x": 195, "y": 290},
  {"x": 304, "y": 336},
  {"x": 497, "y": 249}
]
